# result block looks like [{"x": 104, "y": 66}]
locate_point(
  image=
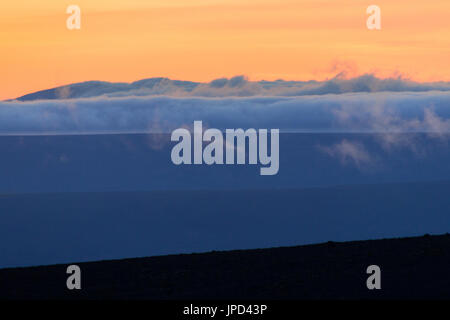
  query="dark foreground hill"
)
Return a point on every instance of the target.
[{"x": 410, "y": 268}]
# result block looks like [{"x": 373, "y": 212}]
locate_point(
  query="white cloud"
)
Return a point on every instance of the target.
[
  {"x": 349, "y": 152},
  {"x": 385, "y": 113}
]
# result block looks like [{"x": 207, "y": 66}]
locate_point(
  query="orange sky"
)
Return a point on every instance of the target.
[{"x": 200, "y": 40}]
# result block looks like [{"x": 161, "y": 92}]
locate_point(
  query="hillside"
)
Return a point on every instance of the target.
[{"x": 411, "y": 268}]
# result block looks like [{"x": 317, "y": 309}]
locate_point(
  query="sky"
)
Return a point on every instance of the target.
[{"x": 202, "y": 40}]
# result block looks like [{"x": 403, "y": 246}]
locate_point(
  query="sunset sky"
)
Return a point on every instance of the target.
[{"x": 200, "y": 40}]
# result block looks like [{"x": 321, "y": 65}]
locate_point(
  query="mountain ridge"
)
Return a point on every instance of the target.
[{"x": 235, "y": 86}]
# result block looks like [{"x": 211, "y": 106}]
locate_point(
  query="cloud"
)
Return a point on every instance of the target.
[
  {"x": 437, "y": 126},
  {"x": 397, "y": 121},
  {"x": 349, "y": 152},
  {"x": 234, "y": 82},
  {"x": 391, "y": 122},
  {"x": 384, "y": 113}
]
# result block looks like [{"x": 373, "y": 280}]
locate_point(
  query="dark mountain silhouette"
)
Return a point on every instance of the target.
[
  {"x": 235, "y": 86},
  {"x": 411, "y": 268},
  {"x": 90, "y": 89}
]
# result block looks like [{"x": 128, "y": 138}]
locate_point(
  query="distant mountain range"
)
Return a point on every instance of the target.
[
  {"x": 97, "y": 88},
  {"x": 236, "y": 86}
]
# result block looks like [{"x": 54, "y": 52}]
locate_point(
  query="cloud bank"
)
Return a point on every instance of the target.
[
  {"x": 383, "y": 112},
  {"x": 394, "y": 111}
]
